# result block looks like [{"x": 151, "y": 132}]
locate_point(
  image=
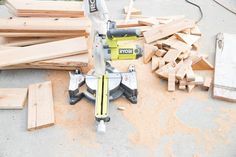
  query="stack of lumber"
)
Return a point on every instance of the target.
[
  {"x": 172, "y": 46},
  {"x": 35, "y": 8},
  {"x": 48, "y": 38},
  {"x": 225, "y": 61}
]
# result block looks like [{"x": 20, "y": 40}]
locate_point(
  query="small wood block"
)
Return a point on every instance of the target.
[
  {"x": 161, "y": 62},
  {"x": 149, "y": 21},
  {"x": 196, "y": 46},
  {"x": 190, "y": 87},
  {"x": 12, "y": 98},
  {"x": 198, "y": 81},
  {"x": 171, "y": 55},
  {"x": 184, "y": 55},
  {"x": 182, "y": 87},
  {"x": 187, "y": 38},
  {"x": 174, "y": 43},
  {"x": 40, "y": 106},
  {"x": 202, "y": 64},
  {"x": 155, "y": 63},
  {"x": 207, "y": 83},
  {"x": 159, "y": 43},
  {"x": 171, "y": 81},
  {"x": 195, "y": 31},
  {"x": 160, "y": 52},
  {"x": 179, "y": 65},
  {"x": 165, "y": 70},
  {"x": 183, "y": 82},
  {"x": 183, "y": 70},
  {"x": 149, "y": 51},
  {"x": 134, "y": 11},
  {"x": 186, "y": 31},
  {"x": 190, "y": 74}
]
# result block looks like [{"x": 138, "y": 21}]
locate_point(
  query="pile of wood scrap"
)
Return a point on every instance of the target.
[
  {"x": 34, "y": 8},
  {"x": 172, "y": 46},
  {"x": 173, "y": 50}
]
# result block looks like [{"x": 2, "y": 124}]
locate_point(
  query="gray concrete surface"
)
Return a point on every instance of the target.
[{"x": 15, "y": 141}]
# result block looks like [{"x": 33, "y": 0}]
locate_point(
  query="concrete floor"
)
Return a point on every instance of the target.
[{"x": 82, "y": 140}]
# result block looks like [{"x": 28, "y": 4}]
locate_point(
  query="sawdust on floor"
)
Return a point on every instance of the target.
[
  {"x": 77, "y": 120},
  {"x": 153, "y": 117}
]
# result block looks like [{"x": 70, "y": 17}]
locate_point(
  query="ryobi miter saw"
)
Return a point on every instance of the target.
[{"x": 105, "y": 83}]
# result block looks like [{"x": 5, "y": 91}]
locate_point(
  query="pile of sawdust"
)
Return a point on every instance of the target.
[
  {"x": 153, "y": 117},
  {"x": 77, "y": 120}
]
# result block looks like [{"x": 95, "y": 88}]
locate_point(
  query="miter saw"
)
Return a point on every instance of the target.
[{"x": 105, "y": 83}]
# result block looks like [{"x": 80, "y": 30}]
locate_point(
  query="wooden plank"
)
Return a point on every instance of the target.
[
  {"x": 48, "y": 8},
  {"x": 13, "y": 98},
  {"x": 171, "y": 55},
  {"x": 58, "y": 25},
  {"x": 40, "y": 106},
  {"x": 44, "y": 51},
  {"x": 149, "y": 51},
  {"x": 42, "y": 34},
  {"x": 163, "y": 31},
  {"x": 202, "y": 64},
  {"x": 64, "y": 63},
  {"x": 171, "y": 81},
  {"x": 225, "y": 61},
  {"x": 187, "y": 38},
  {"x": 24, "y": 41}
]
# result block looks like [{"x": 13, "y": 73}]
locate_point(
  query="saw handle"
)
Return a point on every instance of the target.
[{"x": 123, "y": 33}]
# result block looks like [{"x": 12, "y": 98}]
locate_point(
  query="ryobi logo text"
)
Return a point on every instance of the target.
[
  {"x": 125, "y": 51},
  {"x": 92, "y": 6}
]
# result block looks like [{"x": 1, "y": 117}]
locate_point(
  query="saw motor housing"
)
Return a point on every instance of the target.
[{"x": 115, "y": 50}]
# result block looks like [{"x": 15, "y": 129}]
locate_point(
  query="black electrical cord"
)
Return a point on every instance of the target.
[{"x": 200, "y": 9}]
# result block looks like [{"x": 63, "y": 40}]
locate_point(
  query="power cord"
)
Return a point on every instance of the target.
[{"x": 200, "y": 9}]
